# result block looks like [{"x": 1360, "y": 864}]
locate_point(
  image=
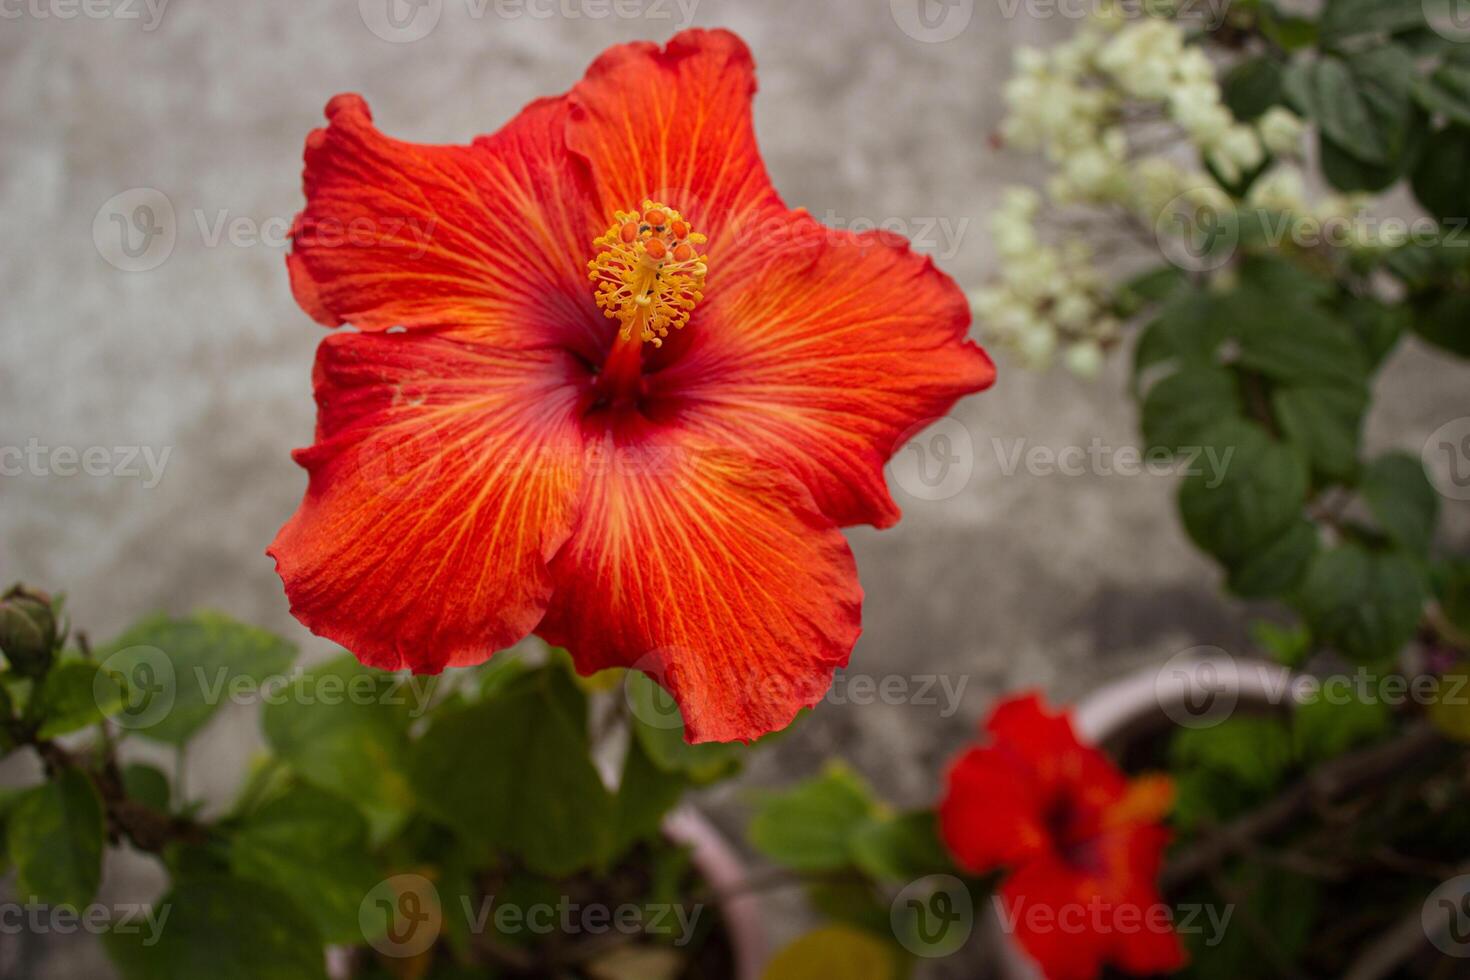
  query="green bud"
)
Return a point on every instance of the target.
[{"x": 27, "y": 631}]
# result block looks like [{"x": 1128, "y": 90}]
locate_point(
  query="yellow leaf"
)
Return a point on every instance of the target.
[{"x": 835, "y": 951}]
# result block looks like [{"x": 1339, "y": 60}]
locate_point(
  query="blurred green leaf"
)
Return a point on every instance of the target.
[
  {"x": 344, "y": 727},
  {"x": 208, "y": 653},
  {"x": 1402, "y": 499},
  {"x": 901, "y": 848},
  {"x": 1447, "y": 92},
  {"x": 1449, "y": 713},
  {"x": 1279, "y": 566},
  {"x": 312, "y": 846},
  {"x": 224, "y": 929},
  {"x": 1443, "y": 319},
  {"x": 147, "y": 785},
  {"x": 1366, "y": 604},
  {"x": 645, "y": 794},
  {"x": 1290, "y": 645},
  {"x": 1325, "y": 728},
  {"x": 1254, "y": 752},
  {"x": 1252, "y": 86},
  {"x": 1325, "y": 423},
  {"x": 1361, "y": 102},
  {"x": 531, "y": 788},
  {"x": 1254, "y": 493},
  {"x": 1180, "y": 409},
  {"x": 811, "y": 826},
  {"x": 75, "y": 695},
  {"x": 1439, "y": 179},
  {"x": 1343, "y": 19},
  {"x": 659, "y": 730},
  {"x": 55, "y": 836}
]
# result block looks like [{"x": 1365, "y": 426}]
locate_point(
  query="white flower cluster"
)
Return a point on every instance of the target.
[
  {"x": 1048, "y": 295},
  {"x": 1114, "y": 110}
]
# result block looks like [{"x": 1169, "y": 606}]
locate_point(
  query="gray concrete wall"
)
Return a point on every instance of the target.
[{"x": 1020, "y": 579}]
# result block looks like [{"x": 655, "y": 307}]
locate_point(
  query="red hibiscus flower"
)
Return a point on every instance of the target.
[
  {"x": 604, "y": 387},
  {"x": 1082, "y": 845}
]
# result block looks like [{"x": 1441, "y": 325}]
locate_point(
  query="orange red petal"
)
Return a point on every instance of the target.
[
  {"x": 710, "y": 572},
  {"x": 444, "y": 478}
]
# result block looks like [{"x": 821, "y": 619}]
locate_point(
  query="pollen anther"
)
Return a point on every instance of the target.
[{"x": 648, "y": 272}]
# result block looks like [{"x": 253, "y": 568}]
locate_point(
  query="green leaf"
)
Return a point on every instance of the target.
[
  {"x": 55, "y": 836},
  {"x": 1439, "y": 179},
  {"x": 1362, "y": 103},
  {"x": 1279, "y": 566},
  {"x": 1325, "y": 423},
  {"x": 532, "y": 790},
  {"x": 1449, "y": 712},
  {"x": 344, "y": 728},
  {"x": 1189, "y": 329},
  {"x": 660, "y": 732},
  {"x": 1452, "y": 589},
  {"x": 1366, "y": 604},
  {"x": 901, "y": 848},
  {"x": 1253, "y": 86},
  {"x": 224, "y": 929},
  {"x": 1259, "y": 495},
  {"x": 645, "y": 794},
  {"x": 1288, "y": 32},
  {"x": 1444, "y": 321},
  {"x": 1299, "y": 344},
  {"x": 1179, "y": 410},
  {"x": 1290, "y": 645},
  {"x": 1324, "y": 729},
  {"x": 148, "y": 785},
  {"x": 203, "y": 655},
  {"x": 76, "y": 695},
  {"x": 1254, "y": 752},
  {"x": 1377, "y": 325},
  {"x": 1285, "y": 904},
  {"x": 1402, "y": 499},
  {"x": 811, "y": 827},
  {"x": 1447, "y": 92},
  {"x": 312, "y": 846},
  {"x": 1342, "y": 19}
]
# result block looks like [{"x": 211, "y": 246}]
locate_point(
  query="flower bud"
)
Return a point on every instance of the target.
[{"x": 27, "y": 631}]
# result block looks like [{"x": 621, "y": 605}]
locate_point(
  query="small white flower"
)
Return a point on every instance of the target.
[
  {"x": 1084, "y": 359},
  {"x": 1281, "y": 131}
]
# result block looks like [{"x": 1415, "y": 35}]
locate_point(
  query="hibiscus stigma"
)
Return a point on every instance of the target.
[{"x": 648, "y": 272}]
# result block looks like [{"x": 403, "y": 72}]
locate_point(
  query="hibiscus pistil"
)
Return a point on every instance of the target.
[{"x": 649, "y": 273}]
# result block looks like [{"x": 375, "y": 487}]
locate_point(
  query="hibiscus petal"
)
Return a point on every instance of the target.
[
  {"x": 492, "y": 236},
  {"x": 1048, "y": 908},
  {"x": 1047, "y": 745},
  {"x": 992, "y": 814},
  {"x": 674, "y": 125},
  {"x": 713, "y": 574},
  {"x": 444, "y": 478},
  {"x": 823, "y": 360}
]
